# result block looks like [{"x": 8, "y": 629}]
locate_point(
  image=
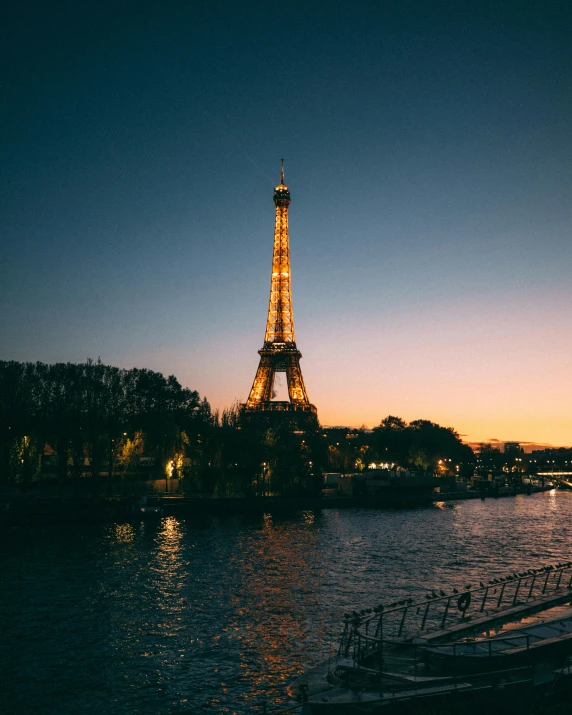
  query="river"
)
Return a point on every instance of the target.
[{"x": 187, "y": 616}]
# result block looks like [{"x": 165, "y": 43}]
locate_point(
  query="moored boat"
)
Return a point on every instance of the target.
[{"x": 504, "y": 643}]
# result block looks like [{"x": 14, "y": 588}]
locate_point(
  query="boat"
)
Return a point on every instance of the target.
[
  {"x": 505, "y": 644},
  {"x": 147, "y": 509}
]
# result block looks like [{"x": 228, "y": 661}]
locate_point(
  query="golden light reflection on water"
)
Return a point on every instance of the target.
[
  {"x": 124, "y": 532},
  {"x": 170, "y": 573},
  {"x": 308, "y": 517},
  {"x": 169, "y": 545},
  {"x": 451, "y": 506},
  {"x": 276, "y": 579},
  {"x": 172, "y": 530}
]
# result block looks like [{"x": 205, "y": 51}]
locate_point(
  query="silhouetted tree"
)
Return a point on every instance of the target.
[
  {"x": 93, "y": 411},
  {"x": 421, "y": 444}
]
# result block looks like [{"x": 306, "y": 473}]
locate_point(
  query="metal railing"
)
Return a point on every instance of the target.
[
  {"x": 364, "y": 647},
  {"x": 406, "y": 618}
]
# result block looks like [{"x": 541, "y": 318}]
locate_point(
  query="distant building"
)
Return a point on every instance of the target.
[{"x": 513, "y": 448}]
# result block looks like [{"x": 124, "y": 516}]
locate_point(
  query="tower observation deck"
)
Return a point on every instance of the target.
[{"x": 279, "y": 352}]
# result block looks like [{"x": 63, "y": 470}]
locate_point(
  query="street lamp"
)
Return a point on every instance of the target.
[{"x": 168, "y": 474}]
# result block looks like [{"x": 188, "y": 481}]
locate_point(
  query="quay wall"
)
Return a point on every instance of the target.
[{"x": 26, "y": 509}]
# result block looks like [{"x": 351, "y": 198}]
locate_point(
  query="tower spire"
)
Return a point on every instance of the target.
[{"x": 279, "y": 352}]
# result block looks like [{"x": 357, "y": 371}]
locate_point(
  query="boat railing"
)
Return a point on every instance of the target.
[
  {"x": 402, "y": 620},
  {"x": 365, "y": 646},
  {"x": 461, "y": 647}
]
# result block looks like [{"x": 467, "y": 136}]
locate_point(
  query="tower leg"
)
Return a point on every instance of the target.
[
  {"x": 263, "y": 381},
  {"x": 296, "y": 387}
]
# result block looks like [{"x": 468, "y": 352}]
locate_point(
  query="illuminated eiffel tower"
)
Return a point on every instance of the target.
[{"x": 279, "y": 353}]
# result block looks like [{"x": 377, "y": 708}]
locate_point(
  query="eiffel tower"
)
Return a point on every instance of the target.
[{"x": 279, "y": 353}]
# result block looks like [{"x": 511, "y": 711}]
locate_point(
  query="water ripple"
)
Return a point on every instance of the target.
[{"x": 180, "y": 616}]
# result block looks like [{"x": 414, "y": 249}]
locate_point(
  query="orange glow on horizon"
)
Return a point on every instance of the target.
[{"x": 496, "y": 368}]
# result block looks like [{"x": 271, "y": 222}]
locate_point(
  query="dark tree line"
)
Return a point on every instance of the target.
[
  {"x": 102, "y": 426},
  {"x": 69, "y": 423},
  {"x": 96, "y": 418},
  {"x": 420, "y": 445}
]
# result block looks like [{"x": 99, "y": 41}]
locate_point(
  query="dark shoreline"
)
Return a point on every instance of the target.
[{"x": 35, "y": 510}]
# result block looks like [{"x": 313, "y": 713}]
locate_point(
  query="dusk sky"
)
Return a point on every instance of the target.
[{"x": 428, "y": 151}]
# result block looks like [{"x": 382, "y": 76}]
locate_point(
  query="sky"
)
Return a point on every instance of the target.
[{"x": 428, "y": 151}]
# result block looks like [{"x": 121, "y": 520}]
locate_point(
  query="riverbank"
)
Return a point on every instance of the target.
[{"x": 25, "y": 509}]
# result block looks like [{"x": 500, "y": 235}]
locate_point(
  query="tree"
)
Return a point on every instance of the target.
[
  {"x": 389, "y": 440},
  {"x": 88, "y": 410},
  {"x": 421, "y": 444}
]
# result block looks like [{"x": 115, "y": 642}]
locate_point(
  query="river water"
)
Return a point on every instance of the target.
[{"x": 190, "y": 616}]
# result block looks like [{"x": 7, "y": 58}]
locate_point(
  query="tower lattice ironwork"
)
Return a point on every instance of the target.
[{"x": 279, "y": 353}]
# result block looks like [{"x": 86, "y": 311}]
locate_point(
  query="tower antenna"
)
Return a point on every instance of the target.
[{"x": 282, "y": 172}]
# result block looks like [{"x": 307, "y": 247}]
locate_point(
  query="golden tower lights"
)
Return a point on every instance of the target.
[{"x": 279, "y": 353}]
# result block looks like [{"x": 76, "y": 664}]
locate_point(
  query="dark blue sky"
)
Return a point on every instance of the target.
[{"x": 428, "y": 150}]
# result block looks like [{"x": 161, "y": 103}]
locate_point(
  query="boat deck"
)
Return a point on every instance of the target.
[
  {"x": 514, "y": 637},
  {"x": 507, "y": 618}
]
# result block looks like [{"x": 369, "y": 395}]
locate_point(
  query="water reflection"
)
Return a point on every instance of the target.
[
  {"x": 275, "y": 582},
  {"x": 124, "y": 533},
  {"x": 447, "y": 505},
  {"x": 173, "y": 616},
  {"x": 168, "y": 565}
]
